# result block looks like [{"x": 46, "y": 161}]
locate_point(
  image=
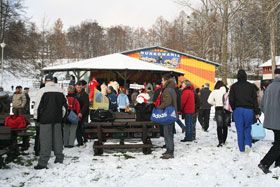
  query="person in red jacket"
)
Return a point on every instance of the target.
[
  {"x": 70, "y": 129},
  {"x": 188, "y": 108},
  {"x": 92, "y": 84}
]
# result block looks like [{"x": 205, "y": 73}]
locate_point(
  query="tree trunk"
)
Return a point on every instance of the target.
[
  {"x": 272, "y": 42},
  {"x": 225, "y": 43}
]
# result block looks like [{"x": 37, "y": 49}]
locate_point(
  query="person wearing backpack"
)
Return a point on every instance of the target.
[
  {"x": 244, "y": 103},
  {"x": 70, "y": 129},
  {"x": 205, "y": 107},
  {"x": 222, "y": 117}
]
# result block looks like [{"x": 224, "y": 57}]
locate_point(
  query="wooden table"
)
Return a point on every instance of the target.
[{"x": 124, "y": 127}]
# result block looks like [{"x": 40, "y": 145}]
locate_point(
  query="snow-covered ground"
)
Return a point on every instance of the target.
[{"x": 199, "y": 163}]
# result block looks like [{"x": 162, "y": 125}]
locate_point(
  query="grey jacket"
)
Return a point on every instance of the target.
[{"x": 270, "y": 105}]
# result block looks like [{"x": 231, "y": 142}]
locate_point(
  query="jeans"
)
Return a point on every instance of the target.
[
  {"x": 243, "y": 118},
  {"x": 203, "y": 118},
  {"x": 194, "y": 119},
  {"x": 169, "y": 138},
  {"x": 189, "y": 127},
  {"x": 273, "y": 154},
  {"x": 222, "y": 119}
]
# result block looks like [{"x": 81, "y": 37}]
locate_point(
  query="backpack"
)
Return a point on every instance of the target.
[
  {"x": 226, "y": 102},
  {"x": 101, "y": 115},
  {"x": 15, "y": 122}
]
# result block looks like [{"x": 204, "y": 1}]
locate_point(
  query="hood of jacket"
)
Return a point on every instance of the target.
[
  {"x": 190, "y": 87},
  {"x": 170, "y": 84},
  {"x": 241, "y": 75}
]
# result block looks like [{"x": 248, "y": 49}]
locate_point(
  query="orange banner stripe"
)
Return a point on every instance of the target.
[{"x": 208, "y": 75}]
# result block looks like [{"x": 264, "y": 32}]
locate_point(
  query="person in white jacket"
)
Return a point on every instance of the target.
[{"x": 222, "y": 116}]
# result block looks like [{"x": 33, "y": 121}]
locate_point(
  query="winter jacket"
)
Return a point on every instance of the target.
[
  {"x": 270, "y": 105},
  {"x": 204, "y": 94},
  {"x": 112, "y": 101},
  {"x": 243, "y": 94},
  {"x": 83, "y": 99},
  {"x": 50, "y": 104},
  {"x": 196, "y": 101},
  {"x": 166, "y": 99},
  {"x": 18, "y": 100},
  {"x": 122, "y": 101},
  {"x": 188, "y": 100},
  {"x": 76, "y": 106},
  {"x": 216, "y": 97},
  {"x": 27, "y": 104},
  {"x": 156, "y": 94}
]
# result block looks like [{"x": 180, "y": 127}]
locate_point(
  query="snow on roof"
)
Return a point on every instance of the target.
[
  {"x": 268, "y": 63},
  {"x": 111, "y": 62}
]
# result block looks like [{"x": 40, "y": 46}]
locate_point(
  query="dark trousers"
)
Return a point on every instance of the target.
[
  {"x": 80, "y": 133},
  {"x": 273, "y": 154},
  {"x": 222, "y": 119},
  {"x": 169, "y": 138},
  {"x": 17, "y": 111},
  {"x": 37, "y": 140},
  {"x": 203, "y": 118}
]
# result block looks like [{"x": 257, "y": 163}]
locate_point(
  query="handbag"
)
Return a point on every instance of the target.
[
  {"x": 72, "y": 117},
  {"x": 257, "y": 131},
  {"x": 166, "y": 116}
]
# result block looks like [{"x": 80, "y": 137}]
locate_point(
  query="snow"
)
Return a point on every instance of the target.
[
  {"x": 199, "y": 163},
  {"x": 111, "y": 62},
  {"x": 268, "y": 63}
]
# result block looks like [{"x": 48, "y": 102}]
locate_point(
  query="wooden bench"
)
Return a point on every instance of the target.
[
  {"x": 5, "y": 139},
  {"x": 124, "y": 127}
]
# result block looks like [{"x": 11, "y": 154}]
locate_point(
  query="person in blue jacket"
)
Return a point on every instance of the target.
[
  {"x": 112, "y": 99},
  {"x": 122, "y": 101}
]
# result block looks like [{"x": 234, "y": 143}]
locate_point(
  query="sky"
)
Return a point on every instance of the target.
[{"x": 135, "y": 13}]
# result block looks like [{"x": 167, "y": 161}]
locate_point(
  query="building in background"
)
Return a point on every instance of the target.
[{"x": 197, "y": 70}]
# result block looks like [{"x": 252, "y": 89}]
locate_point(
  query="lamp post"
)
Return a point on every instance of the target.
[{"x": 2, "y": 62}]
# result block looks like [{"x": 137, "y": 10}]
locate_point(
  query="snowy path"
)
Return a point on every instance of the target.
[{"x": 198, "y": 163}]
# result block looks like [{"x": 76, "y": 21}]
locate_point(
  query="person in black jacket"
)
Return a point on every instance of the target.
[
  {"x": 50, "y": 108},
  {"x": 205, "y": 107},
  {"x": 244, "y": 103},
  {"x": 83, "y": 99}
]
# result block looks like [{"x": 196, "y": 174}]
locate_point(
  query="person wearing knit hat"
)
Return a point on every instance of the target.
[{"x": 270, "y": 106}]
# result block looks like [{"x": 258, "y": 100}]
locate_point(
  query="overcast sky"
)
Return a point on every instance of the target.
[{"x": 135, "y": 13}]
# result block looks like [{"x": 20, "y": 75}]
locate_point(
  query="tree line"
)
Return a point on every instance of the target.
[{"x": 234, "y": 33}]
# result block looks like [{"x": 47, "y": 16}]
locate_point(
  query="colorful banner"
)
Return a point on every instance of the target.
[
  {"x": 168, "y": 59},
  {"x": 100, "y": 101}
]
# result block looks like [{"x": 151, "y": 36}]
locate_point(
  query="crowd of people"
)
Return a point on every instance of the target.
[{"x": 241, "y": 103}]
